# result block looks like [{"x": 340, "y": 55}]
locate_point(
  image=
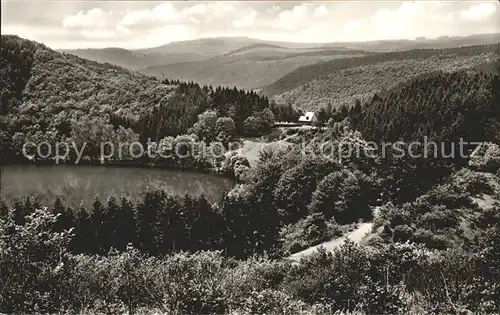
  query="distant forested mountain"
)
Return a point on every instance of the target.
[
  {"x": 226, "y": 60},
  {"x": 175, "y": 52},
  {"x": 221, "y": 61},
  {"x": 339, "y": 82},
  {"x": 423, "y": 43}
]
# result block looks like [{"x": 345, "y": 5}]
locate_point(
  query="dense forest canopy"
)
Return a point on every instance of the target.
[
  {"x": 441, "y": 106},
  {"x": 438, "y": 106}
]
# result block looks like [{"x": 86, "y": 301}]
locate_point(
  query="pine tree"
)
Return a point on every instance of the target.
[
  {"x": 97, "y": 221},
  {"x": 18, "y": 212},
  {"x": 64, "y": 216},
  {"x": 145, "y": 216},
  {"x": 4, "y": 209},
  {"x": 84, "y": 237},
  {"x": 206, "y": 227},
  {"x": 112, "y": 225},
  {"x": 126, "y": 232}
]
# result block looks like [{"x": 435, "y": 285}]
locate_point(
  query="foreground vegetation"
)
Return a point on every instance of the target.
[
  {"x": 38, "y": 274},
  {"x": 438, "y": 253}
]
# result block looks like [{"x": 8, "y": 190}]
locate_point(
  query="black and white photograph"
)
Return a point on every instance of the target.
[{"x": 249, "y": 157}]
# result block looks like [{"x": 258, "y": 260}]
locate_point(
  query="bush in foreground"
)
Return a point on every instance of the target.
[{"x": 38, "y": 275}]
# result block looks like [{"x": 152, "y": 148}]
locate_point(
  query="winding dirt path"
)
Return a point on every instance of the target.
[{"x": 356, "y": 236}]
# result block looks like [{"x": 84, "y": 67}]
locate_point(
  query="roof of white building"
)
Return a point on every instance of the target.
[{"x": 307, "y": 117}]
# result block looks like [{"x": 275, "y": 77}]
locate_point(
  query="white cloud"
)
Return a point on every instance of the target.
[
  {"x": 320, "y": 11},
  {"x": 246, "y": 21},
  {"x": 477, "y": 12},
  {"x": 381, "y": 15},
  {"x": 412, "y": 19},
  {"x": 274, "y": 9},
  {"x": 294, "y": 18},
  {"x": 165, "y": 12},
  {"x": 223, "y": 9},
  {"x": 409, "y": 9},
  {"x": 200, "y": 13},
  {"x": 92, "y": 19},
  {"x": 352, "y": 25},
  {"x": 135, "y": 17},
  {"x": 162, "y": 14},
  {"x": 442, "y": 18},
  {"x": 148, "y": 23},
  {"x": 197, "y": 9}
]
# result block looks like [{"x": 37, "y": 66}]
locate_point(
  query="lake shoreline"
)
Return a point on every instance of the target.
[
  {"x": 77, "y": 183},
  {"x": 125, "y": 164}
]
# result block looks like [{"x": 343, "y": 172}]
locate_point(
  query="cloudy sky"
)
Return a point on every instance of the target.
[{"x": 138, "y": 24}]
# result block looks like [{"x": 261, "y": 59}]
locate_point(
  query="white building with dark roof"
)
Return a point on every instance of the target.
[{"x": 309, "y": 118}]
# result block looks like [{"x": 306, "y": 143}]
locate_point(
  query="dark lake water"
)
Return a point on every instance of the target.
[{"x": 74, "y": 184}]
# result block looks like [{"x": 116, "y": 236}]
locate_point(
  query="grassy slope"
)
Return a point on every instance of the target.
[{"x": 341, "y": 81}]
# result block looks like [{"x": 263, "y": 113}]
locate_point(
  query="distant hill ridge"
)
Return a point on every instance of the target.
[
  {"x": 340, "y": 82},
  {"x": 252, "y": 63},
  {"x": 249, "y": 47}
]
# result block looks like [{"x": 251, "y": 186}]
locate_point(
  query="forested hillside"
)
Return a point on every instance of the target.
[
  {"x": 52, "y": 87},
  {"x": 51, "y": 96},
  {"x": 133, "y": 254},
  {"x": 441, "y": 106},
  {"x": 451, "y": 112},
  {"x": 339, "y": 82}
]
